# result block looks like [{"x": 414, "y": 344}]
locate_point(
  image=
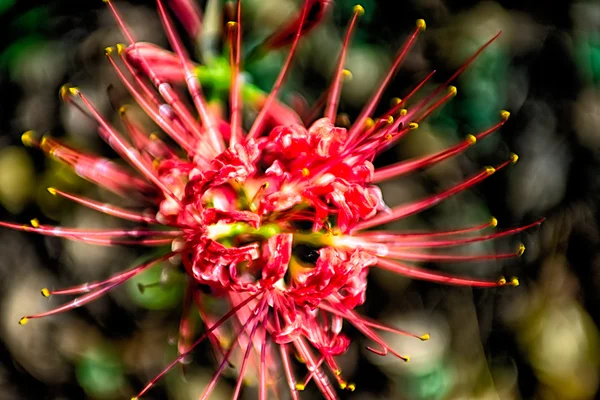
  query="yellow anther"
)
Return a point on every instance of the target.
[
  {"x": 343, "y": 385},
  {"x": 390, "y": 119},
  {"x": 108, "y": 50},
  {"x": 27, "y": 138},
  {"x": 300, "y": 358},
  {"x": 300, "y": 386},
  {"x": 23, "y": 321},
  {"x": 413, "y": 125},
  {"x": 52, "y": 191},
  {"x": 224, "y": 342},
  {"x": 351, "y": 387},
  {"x": 265, "y": 185},
  {"x": 504, "y": 114},
  {"x": 45, "y": 292},
  {"x": 369, "y": 122},
  {"x": 305, "y": 172},
  {"x": 231, "y": 24},
  {"x": 471, "y": 139},
  {"x": 490, "y": 170},
  {"x": 133, "y": 398},
  {"x": 502, "y": 281},
  {"x": 520, "y": 249},
  {"x": 359, "y": 10},
  {"x": 121, "y": 48},
  {"x": 347, "y": 74},
  {"x": 35, "y": 223},
  {"x": 403, "y": 112},
  {"x": 396, "y": 101},
  {"x": 122, "y": 110},
  {"x": 155, "y": 163},
  {"x": 337, "y": 372},
  {"x": 74, "y": 91},
  {"x": 514, "y": 281},
  {"x": 153, "y": 136},
  {"x": 514, "y": 158},
  {"x": 494, "y": 222},
  {"x": 421, "y": 24},
  {"x": 452, "y": 90},
  {"x": 64, "y": 91},
  {"x": 424, "y": 337},
  {"x": 389, "y": 136},
  {"x": 406, "y": 358}
]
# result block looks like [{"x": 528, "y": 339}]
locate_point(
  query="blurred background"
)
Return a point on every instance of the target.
[{"x": 536, "y": 341}]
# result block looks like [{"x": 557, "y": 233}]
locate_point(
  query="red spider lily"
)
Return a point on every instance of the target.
[{"x": 234, "y": 205}]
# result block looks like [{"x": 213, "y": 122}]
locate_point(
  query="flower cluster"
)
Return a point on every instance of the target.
[{"x": 274, "y": 219}]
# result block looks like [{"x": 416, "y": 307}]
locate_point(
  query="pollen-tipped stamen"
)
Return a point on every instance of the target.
[
  {"x": 106, "y": 208},
  {"x": 334, "y": 94},
  {"x": 404, "y": 167},
  {"x": 415, "y": 207},
  {"x": 372, "y": 103},
  {"x": 259, "y": 121},
  {"x": 209, "y": 330},
  {"x": 192, "y": 81}
]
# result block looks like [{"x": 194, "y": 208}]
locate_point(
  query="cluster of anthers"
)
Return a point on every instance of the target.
[{"x": 275, "y": 219}]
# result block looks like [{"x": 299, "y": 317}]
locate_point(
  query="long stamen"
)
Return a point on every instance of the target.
[
  {"x": 365, "y": 330},
  {"x": 451, "y": 93},
  {"x": 198, "y": 341},
  {"x": 82, "y": 300},
  {"x": 236, "y": 48},
  {"x": 120, "y": 21},
  {"x": 114, "y": 242},
  {"x": 400, "y": 242},
  {"x": 400, "y": 104},
  {"x": 392, "y": 252},
  {"x": 423, "y": 162},
  {"x": 262, "y": 386},
  {"x": 418, "y": 273},
  {"x": 320, "y": 379},
  {"x": 95, "y": 169},
  {"x": 184, "y": 121},
  {"x": 106, "y": 208},
  {"x": 372, "y": 103},
  {"x": 123, "y": 148},
  {"x": 256, "y": 313},
  {"x": 258, "y": 124},
  {"x": 238, "y": 386},
  {"x": 182, "y": 112},
  {"x": 334, "y": 95},
  {"x": 370, "y": 323},
  {"x": 192, "y": 82},
  {"x": 171, "y": 129},
  {"x": 90, "y": 286},
  {"x": 406, "y": 210},
  {"x": 69, "y": 232},
  {"x": 285, "y": 357},
  {"x": 390, "y": 236}
]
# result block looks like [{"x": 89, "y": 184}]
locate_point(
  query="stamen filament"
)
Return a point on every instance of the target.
[
  {"x": 106, "y": 208},
  {"x": 259, "y": 122},
  {"x": 214, "y": 326},
  {"x": 334, "y": 94},
  {"x": 409, "y": 209},
  {"x": 372, "y": 103},
  {"x": 439, "y": 277}
]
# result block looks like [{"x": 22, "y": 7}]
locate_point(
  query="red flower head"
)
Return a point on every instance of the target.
[{"x": 275, "y": 220}]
